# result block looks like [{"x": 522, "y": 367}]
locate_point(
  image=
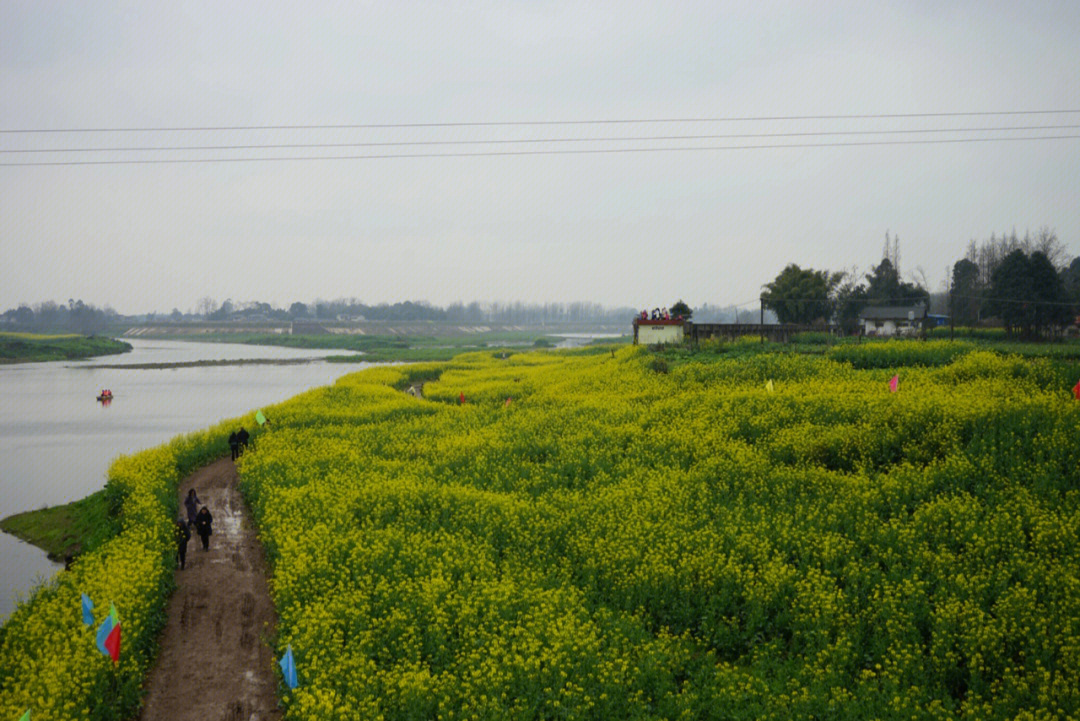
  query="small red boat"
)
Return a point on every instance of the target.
[{"x": 105, "y": 396}]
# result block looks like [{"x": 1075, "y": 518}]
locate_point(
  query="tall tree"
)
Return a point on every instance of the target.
[
  {"x": 1070, "y": 280},
  {"x": 681, "y": 309},
  {"x": 884, "y": 287},
  {"x": 1011, "y": 293},
  {"x": 849, "y": 299},
  {"x": 966, "y": 292},
  {"x": 800, "y": 296},
  {"x": 1048, "y": 292}
]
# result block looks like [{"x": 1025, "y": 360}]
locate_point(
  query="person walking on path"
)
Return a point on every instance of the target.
[
  {"x": 203, "y": 526},
  {"x": 234, "y": 445},
  {"x": 191, "y": 503},
  {"x": 183, "y": 535},
  {"x": 242, "y": 436}
]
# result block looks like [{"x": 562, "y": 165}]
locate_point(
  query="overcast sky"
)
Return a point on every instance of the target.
[{"x": 629, "y": 228}]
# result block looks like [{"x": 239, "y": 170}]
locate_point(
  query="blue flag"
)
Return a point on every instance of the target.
[
  {"x": 288, "y": 667},
  {"x": 87, "y": 610},
  {"x": 103, "y": 632}
]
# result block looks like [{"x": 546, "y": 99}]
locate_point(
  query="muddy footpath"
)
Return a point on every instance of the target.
[{"x": 214, "y": 663}]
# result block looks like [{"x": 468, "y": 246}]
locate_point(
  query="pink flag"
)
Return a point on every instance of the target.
[{"x": 894, "y": 383}]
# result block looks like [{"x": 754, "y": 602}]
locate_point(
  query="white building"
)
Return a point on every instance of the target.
[
  {"x": 893, "y": 320},
  {"x": 654, "y": 332}
]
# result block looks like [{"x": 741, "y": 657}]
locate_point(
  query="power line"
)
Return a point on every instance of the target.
[
  {"x": 511, "y": 123},
  {"x": 606, "y": 139},
  {"x": 581, "y": 151}
]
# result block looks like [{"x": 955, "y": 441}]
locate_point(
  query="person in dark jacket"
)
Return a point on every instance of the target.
[
  {"x": 183, "y": 535},
  {"x": 242, "y": 436},
  {"x": 191, "y": 503},
  {"x": 234, "y": 445},
  {"x": 203, "y": 527}
]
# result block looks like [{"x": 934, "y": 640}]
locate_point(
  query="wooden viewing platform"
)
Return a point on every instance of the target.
[{"x": 779, "y": 332}]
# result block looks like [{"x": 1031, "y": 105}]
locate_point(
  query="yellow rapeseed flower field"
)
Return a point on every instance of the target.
[
  {"x": 615, "y": 542},
  {"x": 599, "y": 536}
]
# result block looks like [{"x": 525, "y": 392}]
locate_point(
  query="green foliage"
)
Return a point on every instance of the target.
[
  {"x": 812, "y": 338},
  {"x": 800, "y": 296},
  {"x": 66, "y": 530},
  {"x": 885, "y": 287},
  {"x": 680, "y": 308},
  {"x": 1011, "y": 292},
  {"x": 897, "y": 353},
  {"x": 966, "y": 294},
  {"x": 26, "y": 347}
]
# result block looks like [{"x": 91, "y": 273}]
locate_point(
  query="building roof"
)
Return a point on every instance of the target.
[{"x": 893, "y": 312}]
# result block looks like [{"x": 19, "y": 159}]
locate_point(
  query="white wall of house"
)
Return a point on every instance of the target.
[
  {"x": 889, "y": 327},
  {"x": 653, "y": 334}
]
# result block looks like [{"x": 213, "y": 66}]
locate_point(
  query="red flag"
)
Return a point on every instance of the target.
[
  {"x": 1076, "y": 391},
  {"x": 894, "y": 384},
  {"x": 112, "y": 644}
]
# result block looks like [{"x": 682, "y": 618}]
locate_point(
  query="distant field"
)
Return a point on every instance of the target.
[
  {"x": 390, "y": 347},
  {"x": 38, "y": 336},
  {"x": 31, "y": 347}
]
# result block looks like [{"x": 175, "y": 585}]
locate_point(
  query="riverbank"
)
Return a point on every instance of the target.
[
  {"x": 64, "y": 531},
  {"x": 33, "y": 348},
  {"x": 214, "y": 363},
  {"x": 440, "y": 344}
]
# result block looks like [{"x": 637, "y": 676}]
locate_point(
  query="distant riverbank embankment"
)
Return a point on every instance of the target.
[{"x": 204, "y": 363}]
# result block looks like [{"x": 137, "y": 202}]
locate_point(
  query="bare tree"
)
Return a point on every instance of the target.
[{"x": 205, "y": 306}]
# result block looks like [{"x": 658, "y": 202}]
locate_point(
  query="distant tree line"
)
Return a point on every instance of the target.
[
  {"x": 82, "y": 318},
  {"x": 808, "y": 297},
  {"x": 1027, "y": 284},
  {"x": 52, "y": 317}
]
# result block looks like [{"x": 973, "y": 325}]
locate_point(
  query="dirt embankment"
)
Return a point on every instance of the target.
[{"x": 214, "y": 663}]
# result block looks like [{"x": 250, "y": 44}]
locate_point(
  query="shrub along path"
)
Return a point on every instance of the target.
[{"x": 214, "y": 663}]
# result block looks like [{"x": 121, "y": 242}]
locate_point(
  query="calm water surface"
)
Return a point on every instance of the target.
[{"x": 57, "y": 441}]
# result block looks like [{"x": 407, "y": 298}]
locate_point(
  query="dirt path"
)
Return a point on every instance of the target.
[{"x": 214, "y": 664}]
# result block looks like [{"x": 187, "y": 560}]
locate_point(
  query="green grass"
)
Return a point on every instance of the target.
[
  {"x": 28, "y": 347},
  {"x": 66, "y": 530}
]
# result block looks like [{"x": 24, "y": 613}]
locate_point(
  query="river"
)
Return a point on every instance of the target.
[{"x": 57, "y": 441}]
